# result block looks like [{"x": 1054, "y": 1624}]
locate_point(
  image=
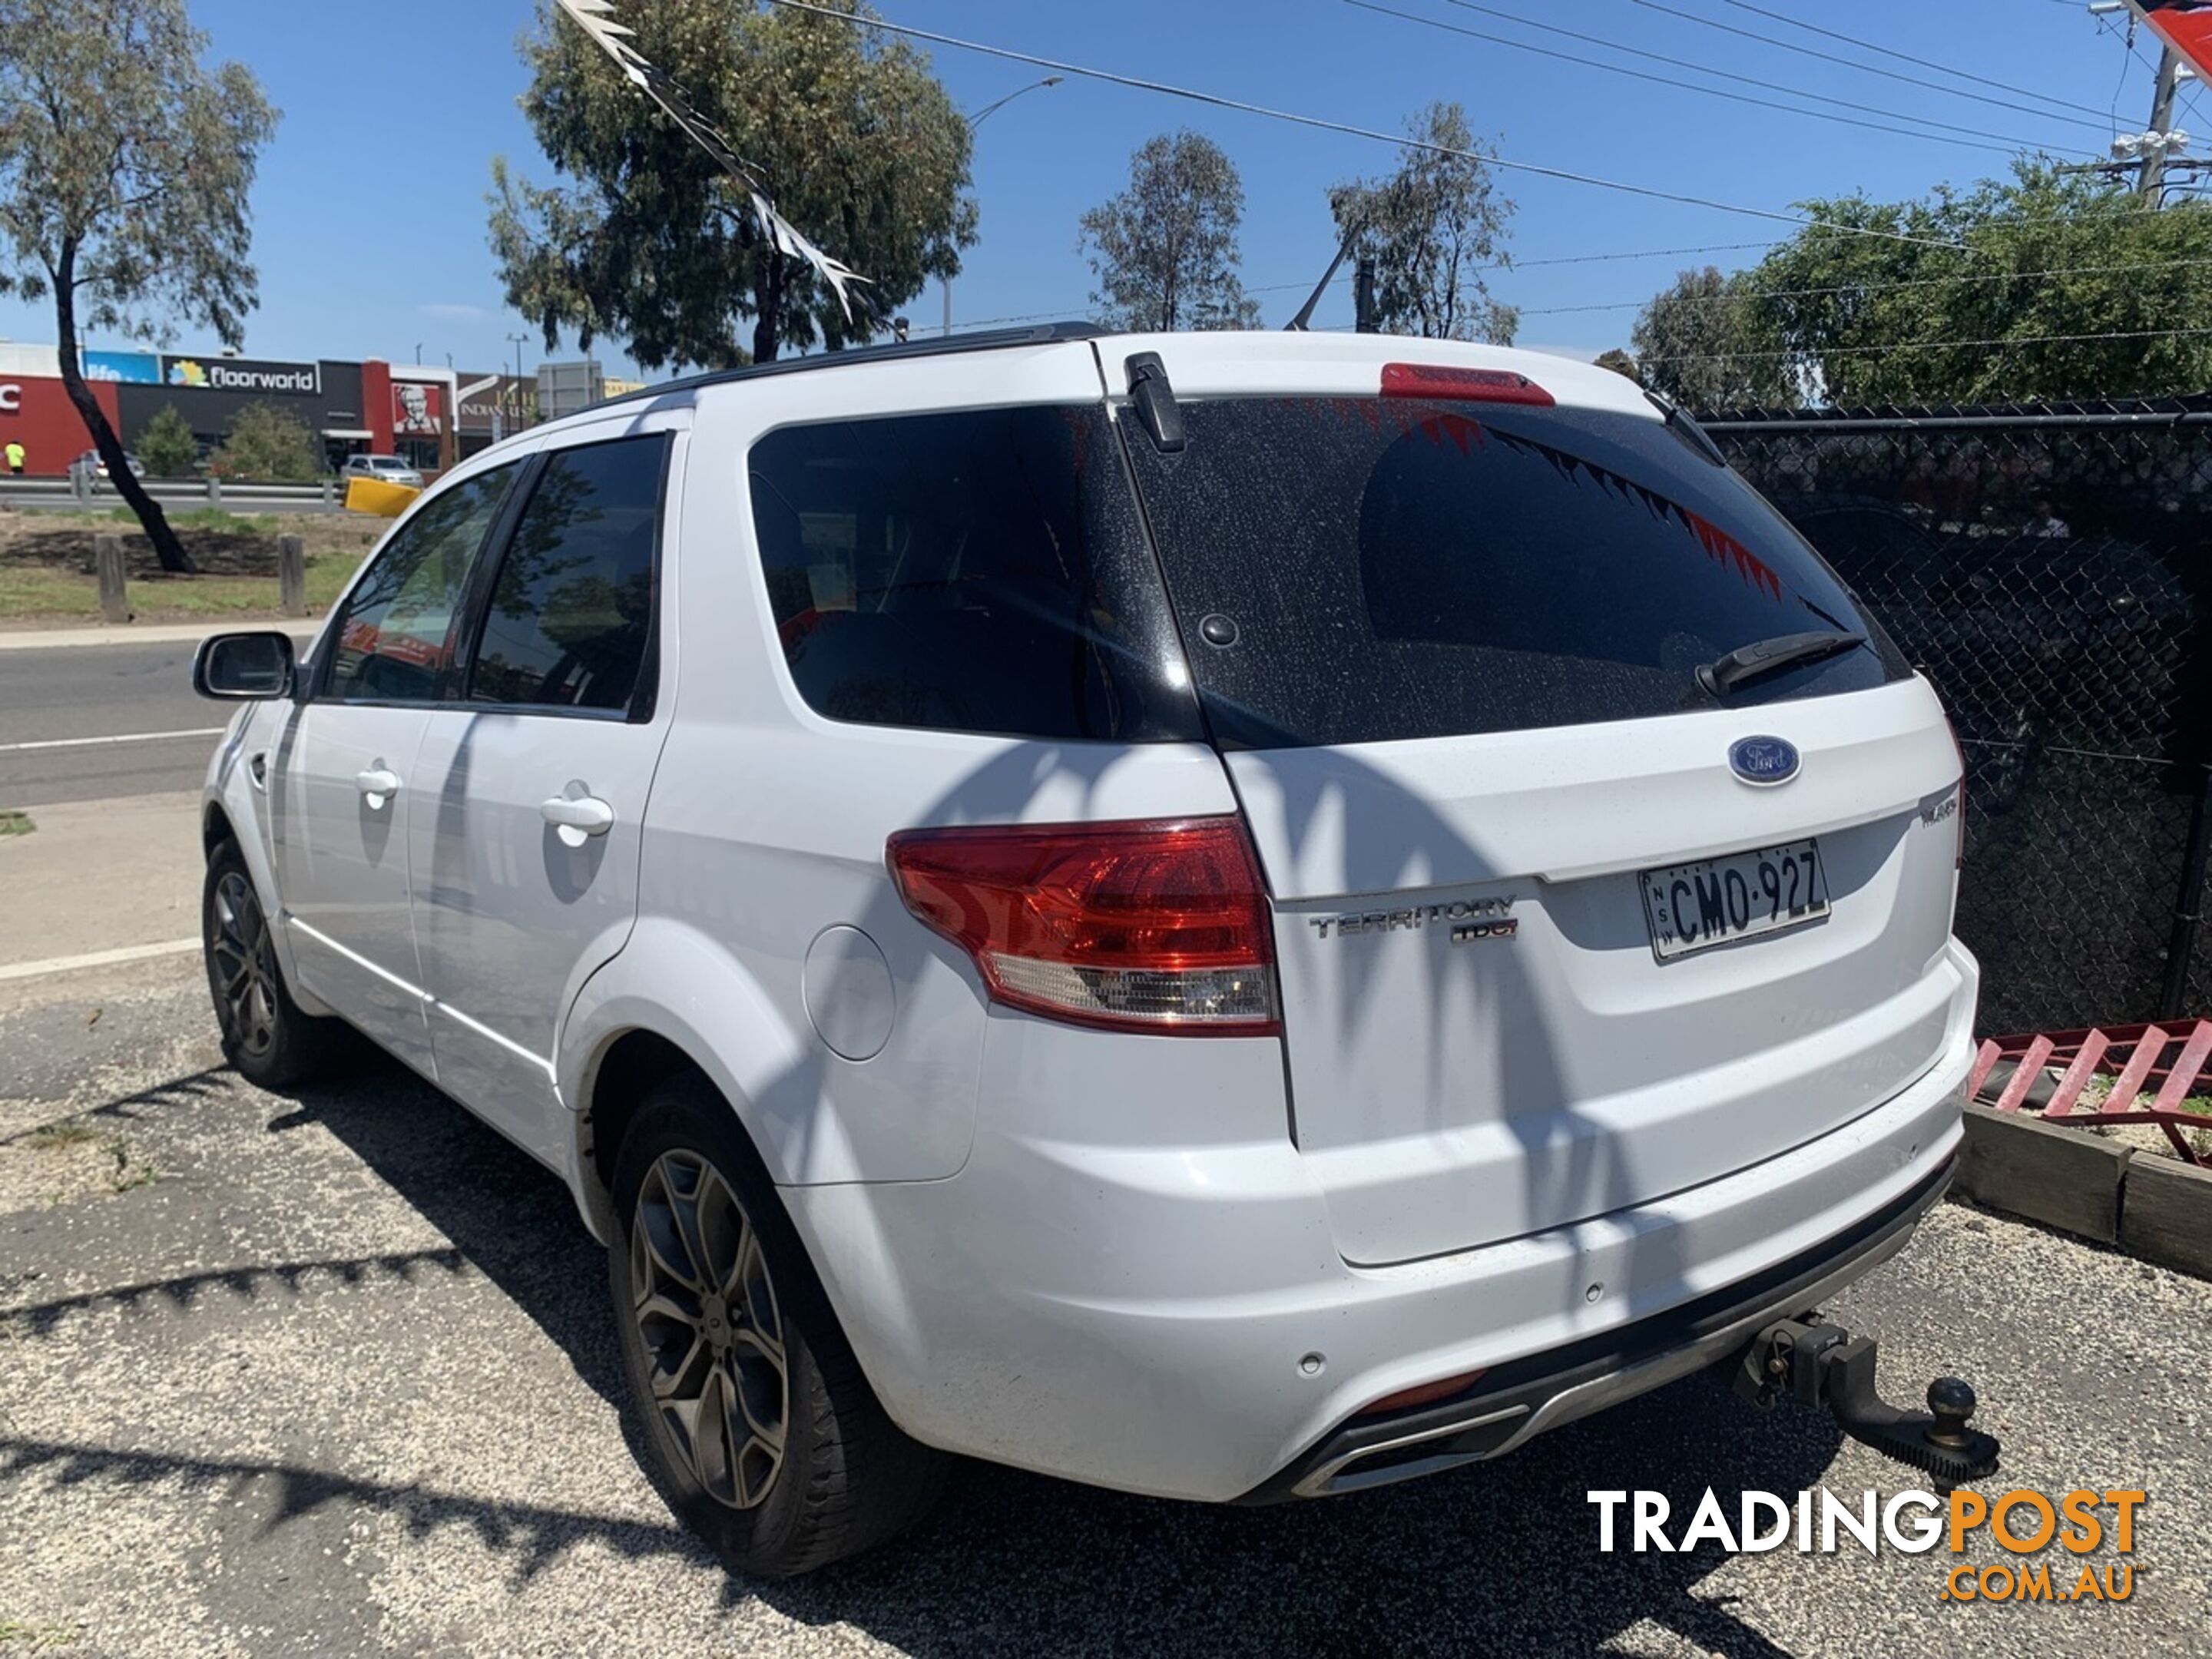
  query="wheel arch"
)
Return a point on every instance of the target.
[
  {"x": 225, "y": 817},
  {"x": 215, "y": 827},
  {"x": 674, "y": 999}
]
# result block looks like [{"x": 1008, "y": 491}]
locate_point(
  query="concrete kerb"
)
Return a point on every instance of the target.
[
  {"x": 2156, "y": 1208},
  {"x": 76, "y": 639}
]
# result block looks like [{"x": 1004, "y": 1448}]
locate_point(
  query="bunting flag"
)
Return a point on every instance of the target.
[
  {"x": 597, "y": 18},
  {"x": 2185, "y": 25}
]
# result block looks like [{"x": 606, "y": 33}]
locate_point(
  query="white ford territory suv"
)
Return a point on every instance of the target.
[{"x": 1231, "y": 916}]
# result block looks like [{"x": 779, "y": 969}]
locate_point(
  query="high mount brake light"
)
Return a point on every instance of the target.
[
  {"x": 1159, "y": 925},
  {"x": 1489, "y": 385}
]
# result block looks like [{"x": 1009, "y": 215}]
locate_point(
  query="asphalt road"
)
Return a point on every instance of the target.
[
  {"x": 334, "y": 1373},
  {"x": 53, "y": 698}
]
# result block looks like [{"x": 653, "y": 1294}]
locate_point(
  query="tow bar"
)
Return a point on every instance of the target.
[{"x": 1824, "y": 1365}]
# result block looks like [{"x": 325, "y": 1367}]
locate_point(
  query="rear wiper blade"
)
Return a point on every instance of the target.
[{"x": 1748, "y": 662}]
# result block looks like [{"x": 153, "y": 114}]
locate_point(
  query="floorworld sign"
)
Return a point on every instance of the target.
[{"x": 241, "y": 375}]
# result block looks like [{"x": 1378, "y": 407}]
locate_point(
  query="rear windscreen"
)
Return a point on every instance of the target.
[
  {"x": 975, "y": 570},
  {"x": 1388, "y": 569}
]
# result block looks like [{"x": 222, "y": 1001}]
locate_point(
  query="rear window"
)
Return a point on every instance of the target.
[
  {"x": 1390, "y": 569},
  {"x": 974, "y": 571}
]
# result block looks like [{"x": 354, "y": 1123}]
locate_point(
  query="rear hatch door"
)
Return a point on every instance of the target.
[{"x": 1559, "y": 929}]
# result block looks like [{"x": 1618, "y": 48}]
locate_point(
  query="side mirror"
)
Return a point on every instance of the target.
[{"x": 244, "y": 667}]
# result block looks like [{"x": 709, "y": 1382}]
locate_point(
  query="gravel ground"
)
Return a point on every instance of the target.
[{"x": 334, "y": 1374}]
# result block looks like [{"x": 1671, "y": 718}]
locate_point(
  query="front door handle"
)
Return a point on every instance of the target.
[
  {"x": 379, "y": 784},
  {"x": 586, "y": 815}
]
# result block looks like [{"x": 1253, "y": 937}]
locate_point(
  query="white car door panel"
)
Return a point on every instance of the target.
[
  {"x": 342, "y": 861},
  {"x": 512, "y": 910},
  {"x": 345, "y": 769},
  {"x": 525, "y": 836}
]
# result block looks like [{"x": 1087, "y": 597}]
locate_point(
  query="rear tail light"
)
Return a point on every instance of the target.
[
  {"x": 1490, "y": 386},
  {"x": 1144, "y": 926}
]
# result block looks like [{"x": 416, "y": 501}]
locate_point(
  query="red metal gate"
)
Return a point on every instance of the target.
[{"x": 2137, "y": 1058}]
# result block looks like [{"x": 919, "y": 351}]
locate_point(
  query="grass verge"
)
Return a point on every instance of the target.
[{"x": 47, "y": 572}]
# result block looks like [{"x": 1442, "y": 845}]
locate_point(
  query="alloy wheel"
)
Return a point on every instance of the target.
[
  {"x": 712, "y": 1334},
  {"x": 245, "y": 965}
]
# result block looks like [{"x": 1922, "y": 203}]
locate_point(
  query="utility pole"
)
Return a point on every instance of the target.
[
  {"x": 2151, "y": 181},
  {"x": 2152, "y": 152}
]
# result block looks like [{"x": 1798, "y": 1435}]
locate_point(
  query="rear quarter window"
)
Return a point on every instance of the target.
[
  {"x": 1401, "y": 569},
  {"x": 975, "y": 571}
]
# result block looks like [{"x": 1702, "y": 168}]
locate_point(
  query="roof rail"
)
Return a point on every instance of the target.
[{"x": 940, "y": 345}]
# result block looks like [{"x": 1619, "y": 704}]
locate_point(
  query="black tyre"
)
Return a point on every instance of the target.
[
  {"x": 759, "y": 1429},
  {"x": 264, "y": 1035}
]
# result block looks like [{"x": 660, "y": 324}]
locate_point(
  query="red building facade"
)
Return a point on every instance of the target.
[{"x": 35, "y": 411}]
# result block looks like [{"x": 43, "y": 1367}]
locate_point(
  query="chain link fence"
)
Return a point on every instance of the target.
[{"x": 2050, "y": 569}]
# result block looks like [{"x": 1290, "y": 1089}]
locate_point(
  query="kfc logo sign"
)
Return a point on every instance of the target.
[
  {"x": 417, "y": 411},
  {"x": 11, "y": 399}
]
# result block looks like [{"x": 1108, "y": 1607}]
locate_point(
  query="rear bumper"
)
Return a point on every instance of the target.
[
  {"x": 1176, "y": 1319},
  {"x": 1514, "y": 1402}
]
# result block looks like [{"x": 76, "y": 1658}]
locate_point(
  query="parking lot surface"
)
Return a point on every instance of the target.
[{"x": 335, "y": 1375}]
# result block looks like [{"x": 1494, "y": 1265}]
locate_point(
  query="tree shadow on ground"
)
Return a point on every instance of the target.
[{"x": 510, "y": 1216}]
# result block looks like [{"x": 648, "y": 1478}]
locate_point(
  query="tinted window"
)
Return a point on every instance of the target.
[
  {"x": 571, "y": 609},
  {"x": 1406, "y": 569},
  {"x": 975, "y": 571},
  {"x": 392, "y": 641}
]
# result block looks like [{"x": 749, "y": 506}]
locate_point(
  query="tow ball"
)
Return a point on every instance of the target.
[{"x": 1824, "y": 1365}]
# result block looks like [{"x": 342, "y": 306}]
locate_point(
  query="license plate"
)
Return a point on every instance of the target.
[{"x": 1695, "y": 907}]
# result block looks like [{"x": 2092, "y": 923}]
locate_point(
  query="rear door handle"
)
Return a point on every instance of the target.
[
  {"x": 586, "y": 814},
  {"x": 378, "y": 783}
]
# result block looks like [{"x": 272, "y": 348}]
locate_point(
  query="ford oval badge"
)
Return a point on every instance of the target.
[{"x": 1764, "y": 761}]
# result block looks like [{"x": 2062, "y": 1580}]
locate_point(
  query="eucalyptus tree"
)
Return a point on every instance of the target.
[
  {"x": 1164, "y": 250},
  {"x": 651, "y": 240},
  {"x": 125, "y": 162},
  {"x": 1432, "y": 229}
]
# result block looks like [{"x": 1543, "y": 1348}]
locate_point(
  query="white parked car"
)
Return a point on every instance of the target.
[
  {"x": 1230, "y": 916},
  {"x": 91, "y": 466},
  {"x": 384, "y": 469}
]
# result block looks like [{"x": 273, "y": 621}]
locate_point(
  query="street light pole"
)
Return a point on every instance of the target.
[
  {"x": 516, "y": 340},
  {"x": 977, "y": 120}
]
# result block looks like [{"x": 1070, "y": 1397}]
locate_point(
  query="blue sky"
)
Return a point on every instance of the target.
[{"x": 370, "y": 211}]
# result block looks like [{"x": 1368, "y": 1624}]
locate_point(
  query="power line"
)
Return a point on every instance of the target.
[
  {"x": 1346, "y": 276},
  {"x": 1695, "y": 299},
  {"x": 1933, "y": 345},
  {"x": 1557, "y": 259},
  {"x": 1319, "y": 123},
  {"x": 1705, "y": 298},
  {"x": 1647, "y": 254},
  {"x": 1905, "y": 56},
  {"x": 1727, "y": 75},
  {"x": 2186, "y": 92},
  {"x": 1950, "y": 89},
  {"x": 1875, "y": 288}
]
